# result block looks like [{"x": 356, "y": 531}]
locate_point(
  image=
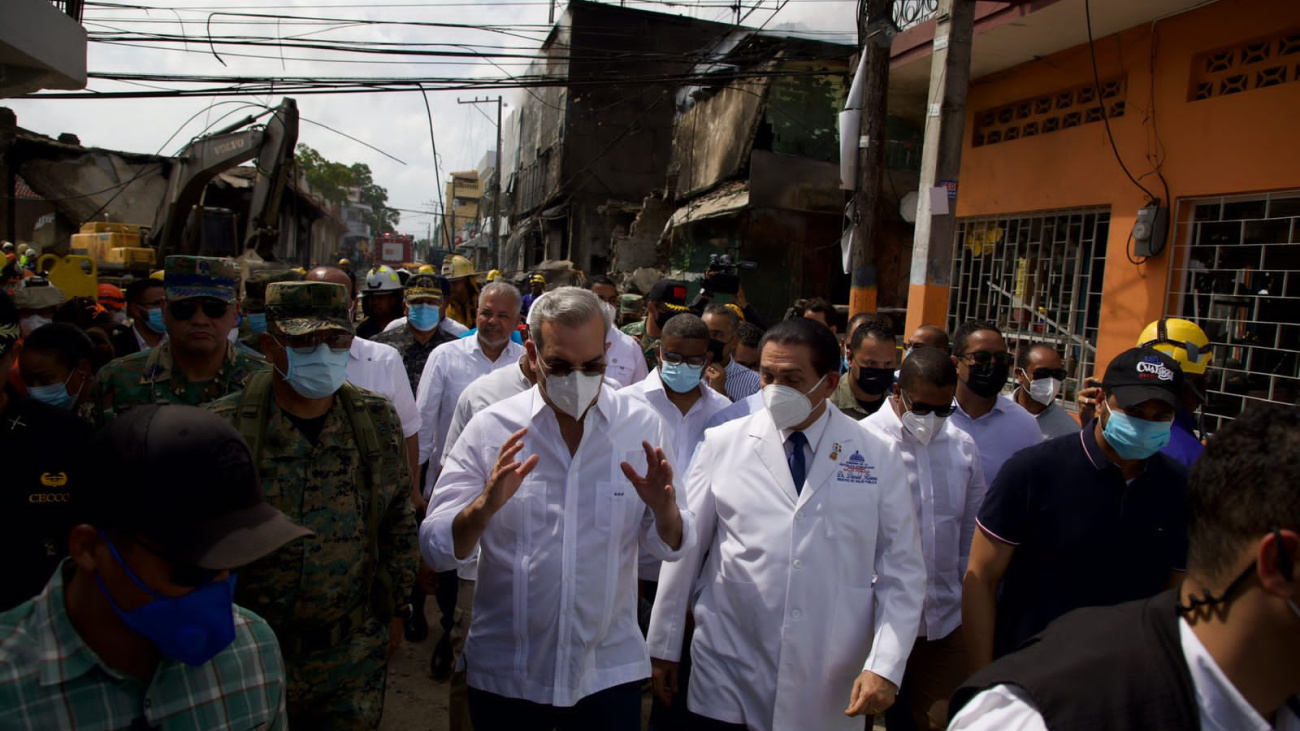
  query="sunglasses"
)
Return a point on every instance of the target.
[
  {"x": 185, "y": 309},
  {"x": 561, "y": 369},
  {"x": 695, "y": 361},
  {"x": 984, "y": 357},
  {"x": 921, "y": 409},
  {"x": 1057, "y": 373},
  {"x": 337, "y": 341}
]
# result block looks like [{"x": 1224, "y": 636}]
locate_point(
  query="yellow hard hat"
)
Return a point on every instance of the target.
[
  {"x": 156, "y": 275},
  {"x": 456, "y": 266},
  {"x": 494, "y": 275},
  {"x": 537, "y": 279},
  {"x": 344, "y": 263},
  {"x": 1182, "y": 340},
  {"x": 427, "y": 269}
]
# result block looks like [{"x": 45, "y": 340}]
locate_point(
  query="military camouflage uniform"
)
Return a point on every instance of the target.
[
  {"x": 648, "y": 342},
  {"x": 151, "y": 378},
  {"x": 317, "y": 593},
  {"x": 414, "y": 353}
]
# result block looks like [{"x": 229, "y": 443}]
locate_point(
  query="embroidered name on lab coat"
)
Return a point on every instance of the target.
[{"x": 856, "y": 470}]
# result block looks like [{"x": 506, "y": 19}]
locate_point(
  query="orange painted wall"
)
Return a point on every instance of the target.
[{"x": 1242, "y": 143}]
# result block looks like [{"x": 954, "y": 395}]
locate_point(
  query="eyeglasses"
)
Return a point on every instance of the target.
[
  {"x": 185, "y": 309},
  {"x": 1059, "y": 374},
  {"x": 695, "y": 361},
  {"x": 337, "y": 340},
  {"x": 984, "y": 357},
  {"x": 921, "y": 409},
  {"x": 562, "y": 368}
]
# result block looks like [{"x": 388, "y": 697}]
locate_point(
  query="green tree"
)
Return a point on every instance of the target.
[{"x": 332, "y": 181}]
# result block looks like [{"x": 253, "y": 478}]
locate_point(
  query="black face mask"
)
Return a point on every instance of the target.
[
  {"x": 875, "y": 381},
  {"x": 987, "y": 380},
  {"x": 717, "y": 348}
]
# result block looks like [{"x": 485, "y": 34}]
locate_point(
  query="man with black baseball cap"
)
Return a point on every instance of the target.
[
  {"x": 666, "y": 298},
  {"x": 138, "y": 628},
  {"x": 1088, "y": 519}
]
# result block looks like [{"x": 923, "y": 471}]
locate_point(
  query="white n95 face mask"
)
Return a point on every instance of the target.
[
  {"x": 573, "y": 393},
  {"x": 922, "y": 426},
  {"x": 1044, "y": 390},
  {"x": 788, "y": 406}
]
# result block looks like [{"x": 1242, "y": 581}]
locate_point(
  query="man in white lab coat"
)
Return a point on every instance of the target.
[
  {"x": 557, "y": 487},
  {"x": 812, "y": 591}
]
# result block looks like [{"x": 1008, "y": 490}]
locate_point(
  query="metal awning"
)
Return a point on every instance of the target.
[{"x": 728, "y": 200}]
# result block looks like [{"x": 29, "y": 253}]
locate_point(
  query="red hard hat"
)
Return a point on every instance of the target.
[{"x": 111, "y": 297}]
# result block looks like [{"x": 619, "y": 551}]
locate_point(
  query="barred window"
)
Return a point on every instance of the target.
[{"x": 1039, "y": 277}]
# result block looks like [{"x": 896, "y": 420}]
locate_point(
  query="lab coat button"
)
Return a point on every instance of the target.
[
  {"x": 796, "y": 614},
  {"x": 798, "y": 563}
]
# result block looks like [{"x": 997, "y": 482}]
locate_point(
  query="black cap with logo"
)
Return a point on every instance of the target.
[
  {"x": 184, "y": 478},
  {"x": 668, "y": 292},
  {"x": 1143, "y": 374}
]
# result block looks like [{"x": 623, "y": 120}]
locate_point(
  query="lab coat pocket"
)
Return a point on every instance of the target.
[{"x": 852, "y": 629}]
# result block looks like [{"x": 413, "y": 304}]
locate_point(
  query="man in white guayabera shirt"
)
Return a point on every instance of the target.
[{"x": 557, "y": 487}]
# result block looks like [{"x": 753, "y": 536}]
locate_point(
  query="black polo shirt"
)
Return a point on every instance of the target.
[
  {"x": 42, "y": 454},
  {"x": 1083, "y": 536}
]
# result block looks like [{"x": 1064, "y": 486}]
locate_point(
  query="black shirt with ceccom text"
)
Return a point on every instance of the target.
[{"x": 42, "y": 453}]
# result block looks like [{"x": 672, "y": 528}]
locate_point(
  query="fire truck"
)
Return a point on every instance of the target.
[{"x": 394, "y": 249}]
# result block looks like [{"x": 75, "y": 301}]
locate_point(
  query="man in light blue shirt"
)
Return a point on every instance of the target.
[{"x": 999, "y": 426}]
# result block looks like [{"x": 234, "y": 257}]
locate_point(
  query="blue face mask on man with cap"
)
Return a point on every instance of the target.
[{"x": 1142, "y": 388}]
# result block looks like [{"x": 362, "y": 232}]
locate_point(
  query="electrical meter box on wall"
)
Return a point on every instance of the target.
[{"x": 1149, "y": 231}]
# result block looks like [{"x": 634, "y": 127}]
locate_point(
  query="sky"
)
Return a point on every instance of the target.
[{"x": 395, "y": 123}]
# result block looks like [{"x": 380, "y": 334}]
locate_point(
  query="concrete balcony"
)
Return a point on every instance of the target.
[{"x": 41, "y": 47}]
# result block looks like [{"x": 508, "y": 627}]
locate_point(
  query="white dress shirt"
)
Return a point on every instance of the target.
[
  {"x": 378, "y": 367},
  {"x": 801, "y": 590},
  {"x": 947, "y": 491},
  {"x": 625, "y": 360},
  {"x": 1003, "y": 431},
  {"x": 446, "y": 324},
  {"x": 555, "y": 609},
  {"x": 1222, "y": 707},
  {"x": 139, "y": 339},
  {"x": 686, "y": 430},
  {"x": 450, "y": 368}
]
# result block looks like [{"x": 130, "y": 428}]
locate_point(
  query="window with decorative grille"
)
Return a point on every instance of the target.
[
  {"x": 1236, "y": 273},
  {"x": 1038, "y": 276}
]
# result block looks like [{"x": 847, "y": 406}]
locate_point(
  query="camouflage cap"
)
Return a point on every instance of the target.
[
  {"x": 423, "y": 286},
  {"x": 631, "y": 304},
  {"x": 201, "y": 276},
  {"x": 255, "y": 286},
  {"x": 299, "y": 308}
]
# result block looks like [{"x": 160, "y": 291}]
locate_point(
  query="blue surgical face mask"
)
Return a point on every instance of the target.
[
  {"x": 318, "y": 373},
  {"x": 56, "y": 395},
  {"x": 257, "y": 322},
  {"x": 680, "y": 377},
  {"x": 1135, "y": 438},
  {"x": 423, "y": 317},
  {"x": 192, "y": 629},
  {"x": 155, "y": 321}
]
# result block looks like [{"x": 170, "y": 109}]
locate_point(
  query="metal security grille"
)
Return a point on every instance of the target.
[
  {"x": 1236, "y": 273},
  {"x": 1039, "y": 277}
]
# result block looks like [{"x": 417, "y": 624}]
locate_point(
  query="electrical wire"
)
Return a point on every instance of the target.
[
  {"x": 1105, "y": 115},
  {"x": 437, "y": 176}
]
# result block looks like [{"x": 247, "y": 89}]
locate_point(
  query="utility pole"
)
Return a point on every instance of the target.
[
  {"x": 495, "y": 258},
  {"x": 945, "y": 124},
  {"x": 871, "y": 156}
]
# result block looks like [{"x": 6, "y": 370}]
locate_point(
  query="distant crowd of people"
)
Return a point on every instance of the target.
[{"x": 232, "y": 493}]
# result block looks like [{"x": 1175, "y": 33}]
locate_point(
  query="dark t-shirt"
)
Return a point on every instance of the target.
[
  {"x": 1083, "y": 537},
  {"x": 42, "y": 453}
]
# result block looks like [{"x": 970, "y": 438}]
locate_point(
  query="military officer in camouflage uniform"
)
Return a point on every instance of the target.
[
  {"x": 421, "y": 334},
  {"x": 197, "y": 363},
  {"x": 254, "y": 304},
  {"x": 666, "y": 298},
  {"x": 331, "y": 456}
]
